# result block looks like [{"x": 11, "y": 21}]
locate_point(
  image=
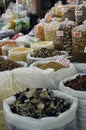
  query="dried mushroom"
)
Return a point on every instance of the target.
[
  {"x": 42, "y": 103},
  {"x": 45, "y": 52}
]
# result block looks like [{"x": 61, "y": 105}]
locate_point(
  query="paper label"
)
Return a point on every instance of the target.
[
  {"x": 59, "y": 33},
  {"x": 62, "y": 60},
  {"x": 77, "y": 34},
  {"x": 78, "y": 13}
]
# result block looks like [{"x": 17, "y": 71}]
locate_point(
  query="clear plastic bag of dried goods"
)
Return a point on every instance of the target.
[
  {"x": 79, "y": 39},
  {"x": 80, "y": 13},
  {"x": 50, "y": 31},
  {"x": 39, "y": 31},
  {"x": 60, "y": 122},
  {"x": 64, "y": 37},
  {"x": 68, "y": 11},
  {"x": 26, "y": 40}
]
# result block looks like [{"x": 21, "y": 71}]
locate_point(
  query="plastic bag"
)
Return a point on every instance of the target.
[
  {"x": 68, "y": 11},
  {"x": 50, "y": 31},
  {"x": 39, "y": 31},
  {"x": 79, "y": 39},
  {"x": 47, "y": 123},
  {"x": 80, "y": 13},
  {"x": 26, "y": 40},
  {"x": 24, "y": 77},
  {"x": 64, "y": 37}
]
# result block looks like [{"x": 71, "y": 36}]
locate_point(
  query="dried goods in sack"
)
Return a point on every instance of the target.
[
  {"x": 50, "y": 31},
  {"x": 68, "y": 11},
  {"x": 47, "y": 122},
  {"x": 6, "y": 64},
  {"x": 79, "y": 39}
]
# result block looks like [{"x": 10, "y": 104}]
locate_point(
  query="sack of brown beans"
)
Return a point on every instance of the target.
[
  {"x": 46, "y": 116},
  {"x": 80, "y": 13},
  {"x": 76, "y": 87},
  {"x": 64, "y": 37},
  {"x": 79, "y": 39},
  {"x": 60, "y": 71}
]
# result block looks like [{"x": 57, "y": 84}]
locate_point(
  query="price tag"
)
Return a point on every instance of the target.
[
  {"x": 78, "y": 13},
  {"x": 59, "y": 33},
  {"x": 72, "y": 1},
  {"x": 77, "y": 34},
  {"x": 62, "y": 60}
]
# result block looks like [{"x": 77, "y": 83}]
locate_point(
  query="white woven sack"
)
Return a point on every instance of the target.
[
  {"x": 70, "y": 91},
  {"x": 80, "y": 67},
  {"x": 46, "y": 123},
  {"x": 29, "y": 77}
]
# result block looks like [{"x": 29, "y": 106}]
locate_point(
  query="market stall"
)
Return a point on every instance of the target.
[{"x": 43, "y": 70}]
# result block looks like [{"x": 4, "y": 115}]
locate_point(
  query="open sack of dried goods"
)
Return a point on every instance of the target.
[
  {"x": 79, "y": 61},
  {"x": 6, "y": 41},
  {"x": 40, "y": 109},
  {"x": 19, "y": 53},
  {"x": 7, "y": 64},
  {"x": 59, "y": 70},
  {"x": 76, "y": 86},
  {"x": 24, "y": 77},
  {"x": 44, "y": 54}
]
